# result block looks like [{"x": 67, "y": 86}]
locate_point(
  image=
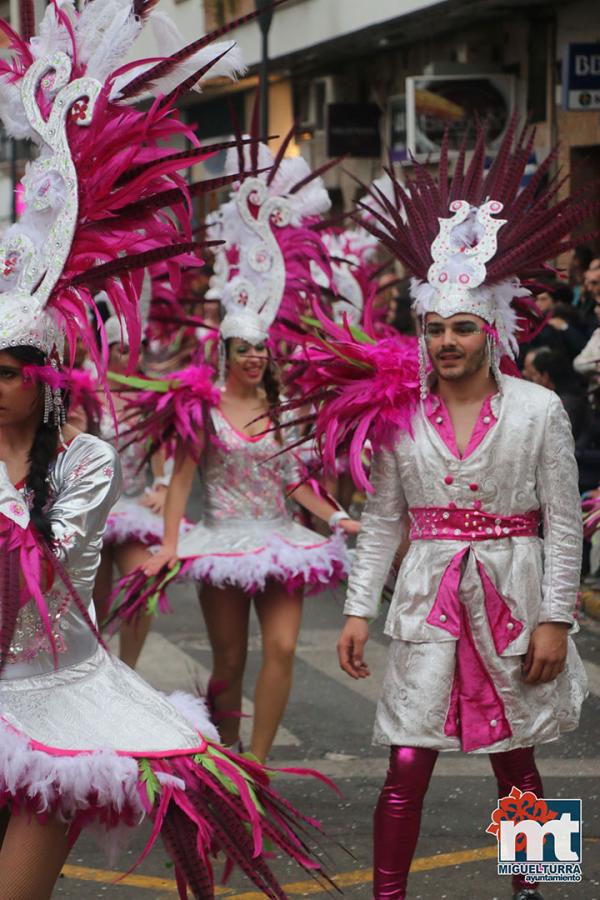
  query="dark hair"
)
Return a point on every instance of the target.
[
  {"x": 568, "y": 314},
  {"x": 584, "y": 255},
  {"x": 404, "y": 320},
  {"x": 559, "y": 291},
  {"x": 41, "y": 454},
  {"x": 557, "y": 366},
  {"x": 272, "y": 386}
]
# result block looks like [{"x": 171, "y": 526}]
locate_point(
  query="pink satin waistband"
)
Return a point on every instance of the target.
[{"x": 433, "y": 523}]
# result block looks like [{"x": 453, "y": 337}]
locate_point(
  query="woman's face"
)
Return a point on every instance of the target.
[
  {"x": 20, "y": 397},
  {"x": 247, "y": 362},
  {"x": 118, "y": 358}
]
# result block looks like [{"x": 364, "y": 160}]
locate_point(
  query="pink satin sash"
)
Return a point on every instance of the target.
[{"x": 433, "y": 523}]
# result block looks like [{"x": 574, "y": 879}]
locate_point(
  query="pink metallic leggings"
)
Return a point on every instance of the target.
[{"x": 398, "y": 812}]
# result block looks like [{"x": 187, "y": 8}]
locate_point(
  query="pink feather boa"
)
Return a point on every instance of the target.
[{"x": 360, "y": 389}]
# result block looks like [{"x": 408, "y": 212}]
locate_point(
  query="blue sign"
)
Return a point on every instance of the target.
[{"x": 581, "y": 76}]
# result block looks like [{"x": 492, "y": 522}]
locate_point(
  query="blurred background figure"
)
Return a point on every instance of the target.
[{"x": 553, "y": 370}]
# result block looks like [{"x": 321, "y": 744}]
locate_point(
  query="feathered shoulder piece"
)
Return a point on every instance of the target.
[{"x": 358, "y": 389}]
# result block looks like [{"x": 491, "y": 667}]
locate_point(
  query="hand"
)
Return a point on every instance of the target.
[
  {"x": 546, "y": 654},
  {"x": 164, "y": 556},
  {"x": 351, "y": 645},
  {"x": 558, "y": 324},
  {"x": 154, "y": 500},
  {"x": 350, "y": 526}
]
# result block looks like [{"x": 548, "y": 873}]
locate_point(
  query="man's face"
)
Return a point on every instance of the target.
[
  {"x": 592, "y": 282},
  {"x": 545, "y": 301},
  {"x": 457, "y": 345},
  {"x": 529, "y": 370}
]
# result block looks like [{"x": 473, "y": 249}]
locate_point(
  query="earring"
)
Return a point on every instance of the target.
[
  {"x": 221, "y": 353},
  {"x": 494, "y": 354},
  {"x": 48, "y": 402},
  {"x": 424, "y": 386}
]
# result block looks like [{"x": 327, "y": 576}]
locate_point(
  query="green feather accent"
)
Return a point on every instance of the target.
[
  {"x": 149, "y": 779},
  {"x": 142, "y": 384},
  {"x": 152, "y": 601}
]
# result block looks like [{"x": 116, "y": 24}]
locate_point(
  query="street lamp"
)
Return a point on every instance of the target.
[{"x": 265, "y": 17}]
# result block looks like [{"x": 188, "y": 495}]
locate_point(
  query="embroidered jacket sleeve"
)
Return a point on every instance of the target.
[
  {"x": 382, "y": 530},
  {"x": 558, "y": 492},
  {"x": 87, "y": 483}
]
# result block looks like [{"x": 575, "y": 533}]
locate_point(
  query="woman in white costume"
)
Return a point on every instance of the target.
[
  {"x": 83, "y": 740},
  {"x": 247, "y": 545}
]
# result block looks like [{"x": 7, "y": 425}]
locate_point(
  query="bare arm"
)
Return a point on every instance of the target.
[
  {"x": 321, "y": 508},
  {"x": 175, "y": 504}
]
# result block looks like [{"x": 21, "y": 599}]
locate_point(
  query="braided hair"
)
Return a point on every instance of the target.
[
  {"x": 272, "y": 386},
  {"x": 42, "y": 452}
]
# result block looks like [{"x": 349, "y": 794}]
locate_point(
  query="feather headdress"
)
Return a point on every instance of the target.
[
  {"x": 104, "y": 198},
  {"x": 271, "y": 248},
  {"x": 473, "y": 243}
]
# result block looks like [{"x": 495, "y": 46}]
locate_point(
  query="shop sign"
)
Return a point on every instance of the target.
[{"x": 581, "y": 76}]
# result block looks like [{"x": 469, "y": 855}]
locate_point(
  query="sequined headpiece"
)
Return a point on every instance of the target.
[
  {"x": 265, "y": 262},
  {"x": 468, "y": 243},
  {"x": 93, "y": 196}
]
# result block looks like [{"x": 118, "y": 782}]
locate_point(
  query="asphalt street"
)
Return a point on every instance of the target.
[{"x": 327, "y": 727}]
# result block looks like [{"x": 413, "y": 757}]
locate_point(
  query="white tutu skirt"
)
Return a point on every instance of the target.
[
  {"x": 92, "y": 744},
  {"x": 246, "y": 553},
  {"x": 130, "y": 521},
  {"x": 73, "y": 742}
]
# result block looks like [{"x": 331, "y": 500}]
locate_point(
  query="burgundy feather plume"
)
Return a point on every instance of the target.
[
  {"x": 26, "y": 19},
  {"x": 143, "y": 8},
  {"x": 316, "y": 173},
  {"x": 98, "y": 274},
  {"x": 538, "y": 227}
]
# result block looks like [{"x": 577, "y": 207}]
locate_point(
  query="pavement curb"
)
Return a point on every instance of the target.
[{"x": 590, "y": 602}]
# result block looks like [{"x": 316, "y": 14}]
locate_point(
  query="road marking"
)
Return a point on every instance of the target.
[
  {"x": 365, "y": 876},
  {"x": 346, "y": 879},
  {"x": 168, "y": 668},
  {"x": 316, "y": 647},
  {"x": 106, "y": 876}
]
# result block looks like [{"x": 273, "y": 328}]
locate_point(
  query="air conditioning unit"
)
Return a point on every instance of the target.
[
  {"x": 435, "y": 103},
  {"x": 313, "y": 113}
]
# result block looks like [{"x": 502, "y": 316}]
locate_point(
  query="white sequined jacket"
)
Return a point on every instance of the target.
[{"x": 524, "y": 463}]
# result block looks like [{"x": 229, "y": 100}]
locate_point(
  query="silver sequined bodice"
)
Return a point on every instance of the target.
[
  {"x": 246, "y": 478},
  {"x": 85, "y": 481}
]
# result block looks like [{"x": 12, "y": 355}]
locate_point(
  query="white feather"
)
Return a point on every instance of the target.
[{"x": 106, "y": 32}]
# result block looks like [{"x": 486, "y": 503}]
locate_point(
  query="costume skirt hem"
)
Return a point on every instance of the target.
[{"x": 312, "y": 567}]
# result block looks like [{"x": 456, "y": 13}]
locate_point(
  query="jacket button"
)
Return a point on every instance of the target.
[
  {"x": 443, "y": 618},
  {"x": 510, "y": 626},
  {"x": 493, "y": 723}
]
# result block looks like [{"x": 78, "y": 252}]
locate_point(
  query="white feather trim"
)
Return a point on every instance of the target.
[
  {"x": 70, "y": 781},
  {"x": 194, "y": 709},
  {"x": 279, "y": 560},
  {"x": 130, "y": 521}
]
